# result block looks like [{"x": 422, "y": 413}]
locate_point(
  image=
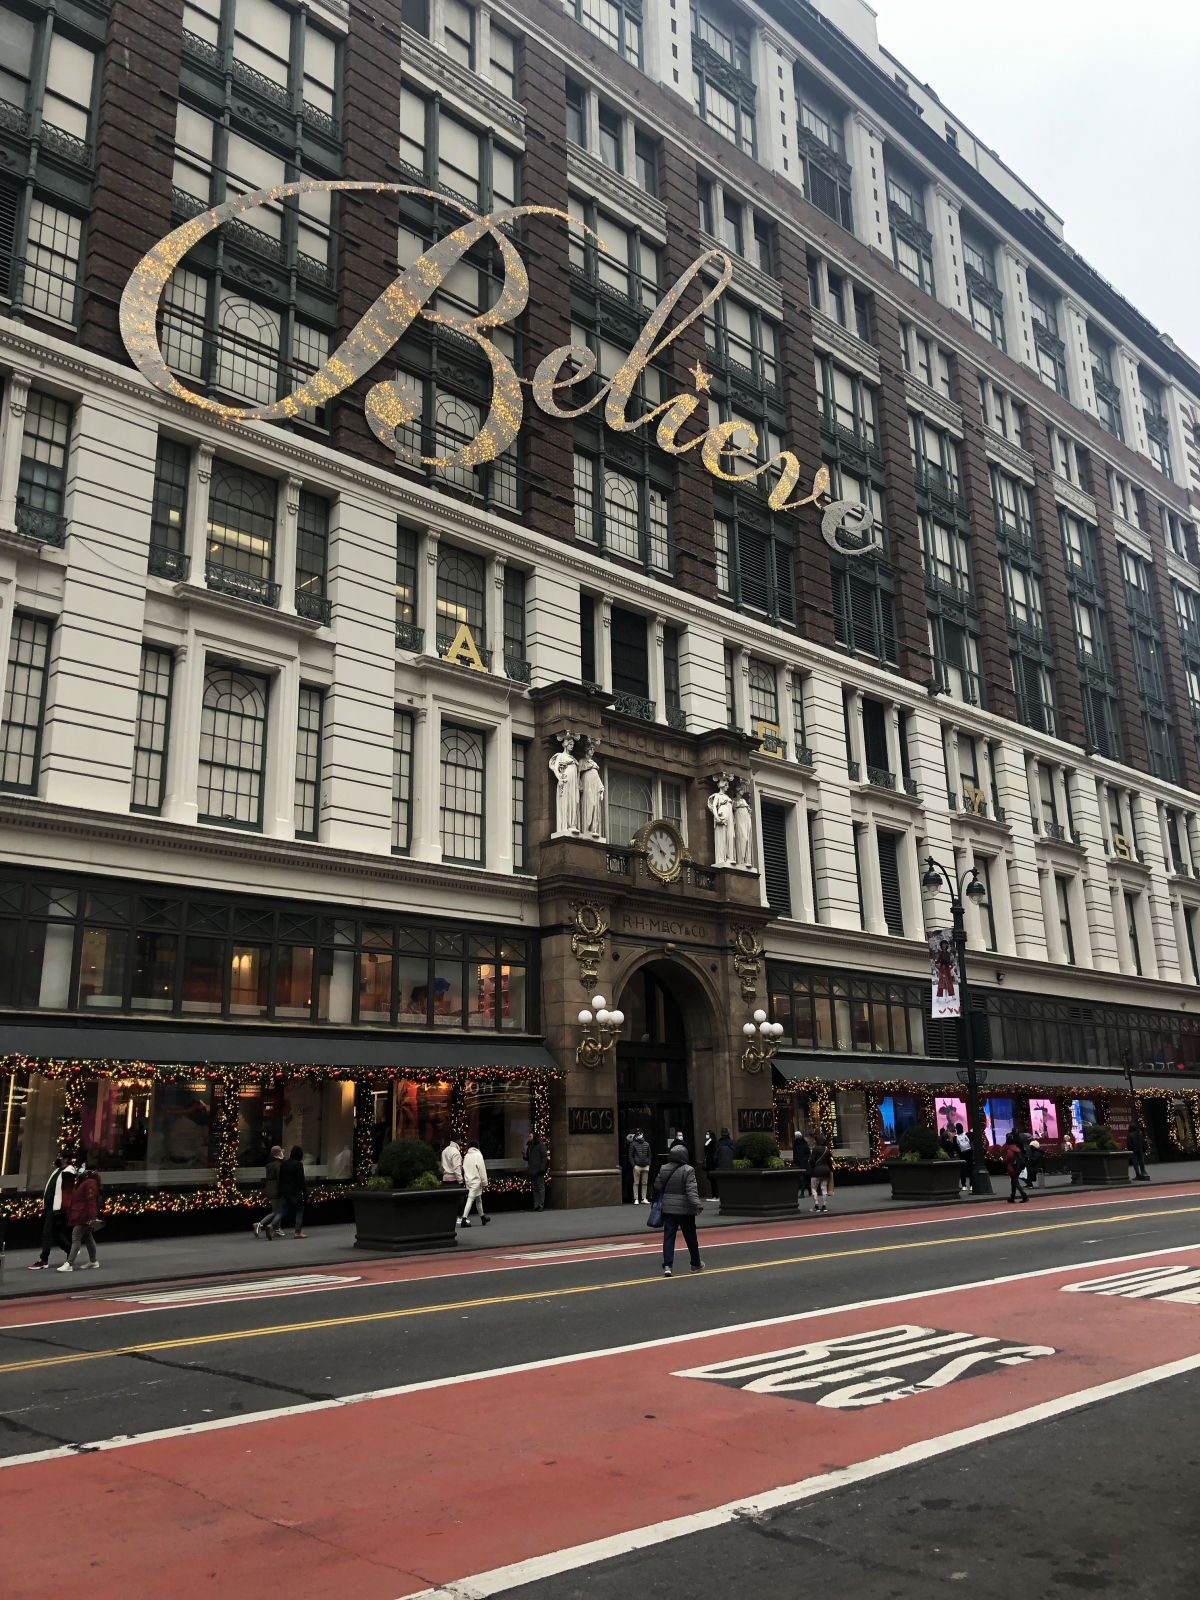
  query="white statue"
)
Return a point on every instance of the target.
[
  {"x": 721, "y": 809},
  {"x": 743, "y": 828},
  {"x": 566, "y": 769},
  {"x": 592, "y": 797}
]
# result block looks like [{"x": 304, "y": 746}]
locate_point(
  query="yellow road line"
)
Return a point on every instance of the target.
[{"x": 561, "y": 1293}]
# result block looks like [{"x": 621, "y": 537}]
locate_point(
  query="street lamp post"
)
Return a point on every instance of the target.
[{"x": 981, "y": 1181}]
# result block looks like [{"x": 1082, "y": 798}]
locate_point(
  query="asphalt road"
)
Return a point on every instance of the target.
[{"x": 590, "y": 1446}]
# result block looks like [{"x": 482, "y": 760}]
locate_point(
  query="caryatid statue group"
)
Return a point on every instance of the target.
[
  {"x": 733, "y": 828},
  {"x": 580, "y": 796}
]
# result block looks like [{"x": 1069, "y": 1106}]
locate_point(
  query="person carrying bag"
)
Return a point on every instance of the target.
[{"x": 676, "y": 1206}]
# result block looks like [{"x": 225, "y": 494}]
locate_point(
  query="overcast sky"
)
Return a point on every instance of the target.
[{"x": 1092, "y": 103}]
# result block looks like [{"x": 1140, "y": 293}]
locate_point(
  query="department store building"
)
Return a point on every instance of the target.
[{"x": 280, "y": 845}]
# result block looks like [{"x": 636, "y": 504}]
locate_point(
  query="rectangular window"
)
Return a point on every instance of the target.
[
  {"x": 515, "y": 663},
  {"x": 610, "y": 151},
  {"x": 308, "y": 762},
  {"x": 763, "y": 701},
  {"x": 408, "y": 635},
  {"x": 889, "y": 882},
  {"x": 730, "y": 696},
  {"x": 576, "y": 114},
  {"x": 233, "y": 748},
  {"x": 630, "y": 654},
  {"x": 587, "y": 639},
  {"x": 671, "y": 675},
  {"x": 402, "y": 754},
  {"x": 241, "y": 530},
  {"x": 150, "y": 735},
  {"x": 24, "y": 703},
  {"x": 52, "y": 261},
  {"x": 987, "y": 914},
  {"x": 646, "y": 157},
  {"x": 721, "y": 539},
  {"x": 458, "y": 32},
  {"x": 1064, "y": 919},
  {"x": 42, "y": 479},
  {"x": 312, "y": 556},
  {"x": 460, "y": 591},
  {"x": 168, "y": 515},
  {"x": 520, "y": 752},
  {"x": 775, "y": 867},
  {"x": 503, "y": 48},
  {"x": 462, "y": 774}
]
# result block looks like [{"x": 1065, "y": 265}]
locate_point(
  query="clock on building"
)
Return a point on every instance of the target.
[{"x": 664, "y": 849}]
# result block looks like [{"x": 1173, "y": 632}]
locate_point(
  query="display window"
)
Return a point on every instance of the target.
[
  {"x": 1083, "y": 1114},
  {"x": 950, "y": 1111},
  {"x": 894, "y": 1113},
  {"x": 998, "y": 1121},
  {"x": 1043, "y": 1120},
  {"x": 153, "y": 1132},
  {"x": 499, "y": 1117}
]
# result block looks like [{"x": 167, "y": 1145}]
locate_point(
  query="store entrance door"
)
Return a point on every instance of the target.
[{"x": 652, "y": 1074}]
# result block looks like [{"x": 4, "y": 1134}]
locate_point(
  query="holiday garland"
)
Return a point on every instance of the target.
[{"x": 76, "y": 1075}]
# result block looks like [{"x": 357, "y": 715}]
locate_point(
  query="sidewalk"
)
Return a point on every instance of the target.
[{"x": 225, "y": 1254}]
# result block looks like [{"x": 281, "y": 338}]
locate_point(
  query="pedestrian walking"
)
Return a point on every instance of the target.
[
  {"x": 676, "y": 1184},
  {"x": 292, "y": 1184},
  {"x": 966, "y": 1154},
  {"x": 83, "y": 1215},
  {"x": 722, "y": 1158},
  {"x": 1135, "y": 1143},
  {"x": 801, "y": 1157},
  {"x": 537, "y": 1160},
  {"x": 1034, "y": 1157},
  {"x": 820, "y": 1169},
  {"x": 638, "y": 1150},
  {"x": 475, "y": 1177},
  {"x": 1014, "y": 1163},
  {"x": 452, "y": 1163},
  {"x": 269, "y": 1226},
  {"x": 55, "y": 1198}
]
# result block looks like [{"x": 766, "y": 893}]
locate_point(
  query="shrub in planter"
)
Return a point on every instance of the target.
[
  {"x": 921, "y": 1144},
  {"x": 405, "y": 1160},
  {"x": 1098, "y": 1137},
  {"x": 740, "y": 1165},
  {"x": 757, "y": 1150},
  {"x": 378, "y": 1182},
  {"x": 427, "y": 1180}
]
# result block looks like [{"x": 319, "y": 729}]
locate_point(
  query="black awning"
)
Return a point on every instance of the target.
[{"x": 243, "y": 1047}]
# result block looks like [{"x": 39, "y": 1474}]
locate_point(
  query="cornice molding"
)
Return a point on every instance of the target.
[
  {"x": 933, "y": 404},
  {"x": 586, "y": 169},
  {"x": 747, "y": 278},
  {"x": 1007, "y": 454},
  {"x": 840, "y": 341},
  {"x": 474, "y": 93},
  {"x": 1075, "y": 499}
]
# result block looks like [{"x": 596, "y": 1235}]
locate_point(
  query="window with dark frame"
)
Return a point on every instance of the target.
[
  {"x": 402, "y": 776},
  {"x": 462, "y": 795},
  {"x": 233, "y": 748},
  {"x": 408, "y": 635},
  {"x": 308, "y": 762},
  {"x": 24, "y": 702},
  {"x": 151, "y": 730},
  {"x": 520, "y": 754},
  {"x": 168, "y": 513},
  {"x": 312, "y": 557}
]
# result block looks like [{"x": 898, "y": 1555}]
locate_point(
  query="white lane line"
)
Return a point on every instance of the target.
[
  {"x": 980, "y": 1214},
  {"x": 499, "y": 1579},
  {"x": 241, "y": 1288},
  {"x": 124, "y": 1440},
  {"x": 625, "y": 1248}
]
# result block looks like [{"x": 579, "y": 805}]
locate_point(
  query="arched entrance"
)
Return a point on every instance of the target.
[{"x": 656, "y": 1061}]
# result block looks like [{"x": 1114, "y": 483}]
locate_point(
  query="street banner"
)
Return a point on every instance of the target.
[{"x": 943, "y": 964}]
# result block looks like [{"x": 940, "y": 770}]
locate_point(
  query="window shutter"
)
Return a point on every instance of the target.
[
  {"x": 630, "y": 659},
  {"x": 889, "y": 885},
  {"x": 753, "y": 570},
  {"x": 862, "y": 617},
  {"x": 1034, "y": 712},
  {"x": 8, "y": 226},
  {"x": 875, "y": 734},
  {"x": 775, "y": 860}
]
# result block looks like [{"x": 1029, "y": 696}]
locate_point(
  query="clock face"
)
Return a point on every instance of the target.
[{"x": 662, "y": 851}]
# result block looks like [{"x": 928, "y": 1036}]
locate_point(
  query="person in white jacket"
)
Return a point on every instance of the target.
[
  {"x": 475, "y": 1178},
  {"x": 452, "y": 1164}
]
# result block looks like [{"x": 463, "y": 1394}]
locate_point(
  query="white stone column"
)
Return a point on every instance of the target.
[
  {"x": 196, "y": 536},
  {"x": 1193, "y": 835},
  {"x": 287, "y": 512},
  {"x": 1081, "y": 923},
  {"x": 1072, "y": 330},
  {"x": 941, "y": 216},
  {"x": 658, "y": 691},
  {"x": 872, "y": 895},
  {"x": 437, "y": 24},
  {"x": 771, "y": 61},
  {"x": 494, "y": 611},
  {"x": 604, "y": 645},
  {"x": 808, "y": 889},
  {"x": 1058, "y": 778},
  {"x": 1181, "y": 944},
  {"x": 741, "y": 688},
  {"x": 787, "y": 715},
  {"x": 1034, "y": 788},
  {"x": 1156, "y": 933},
  {"x": 857, "y": 750},
  {"x": 964, "y": 860},
  {"x": 1125, "y": 962},
  {"x": 591, "y": 120},
  {"x": 868, "y": 191},
  {"x": 629, "y": 149},
  {"x": 427, "y": 567},
  {"x": 279, "y": 800},
  {"x": 498, "y": 791},
  {"x": 953, "y": 770},
  {"x": 1054, "y": 945},
  {"x": 891, "y": 730},
  {"x": 716, "y": 193},
  {"x": 1018, "y": 325},
  {"x": 909, "y": 867},
  {"x": 426, "y": 783},
  {"x": 483, "y": 43},
  {"x": 1133, "y": 416},
  {"x": 12, "y": 430},
  {"x": 1002, "y": 913},
  {"x": 667, "y": 46},
  {"x": 183, "y": 741}
]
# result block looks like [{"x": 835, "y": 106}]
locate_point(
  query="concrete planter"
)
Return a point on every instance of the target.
[
  {"x": 758, "y": 1191},
  {"x": 1102, "y": 1166},
  {"x": 925, "y": 1180},
  {"x": 405, "y": 1220}
]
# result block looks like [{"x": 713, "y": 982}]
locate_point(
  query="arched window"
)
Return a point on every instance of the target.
[
  {"x": 460, "y": 592},
  {"x": 241, "y": 520},
  {"x": 247, "y": 349},
  {"x": 462, "y": 795},
  {"x": 233, "y": 726},
  {"x": 621, "y": 515}
]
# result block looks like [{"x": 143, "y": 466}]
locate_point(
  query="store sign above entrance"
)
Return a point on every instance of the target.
[{"x": 845, "y": 525}]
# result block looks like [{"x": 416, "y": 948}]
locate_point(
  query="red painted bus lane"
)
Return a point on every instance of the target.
[{"x": 393, "y": 1496}]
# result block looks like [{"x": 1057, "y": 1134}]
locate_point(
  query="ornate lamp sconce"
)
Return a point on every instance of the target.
[
  {"x": 762, "y": 1041},
  {"x": 607, "y": 1026}
]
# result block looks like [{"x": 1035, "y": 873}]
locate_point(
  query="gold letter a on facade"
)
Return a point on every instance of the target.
[{"x": 464, "y": 650}]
